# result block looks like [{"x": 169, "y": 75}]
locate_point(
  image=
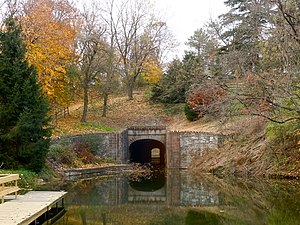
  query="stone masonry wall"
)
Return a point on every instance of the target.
[
  {"x": 194, "y": 143},
  {"x": 114, "y": 146},
  {"x": 109, "y": 145}
]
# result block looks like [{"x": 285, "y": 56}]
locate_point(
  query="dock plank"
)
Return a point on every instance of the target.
[{"x": 26, "y": 208}]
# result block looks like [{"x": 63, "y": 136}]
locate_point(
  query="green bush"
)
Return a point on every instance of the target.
[
  {"x": 202, "y": 217},
  {"x": 28, "y": 179},
  {"x": 48, "y": 174},
  {"x": 167, "y": 94},
  {"x": 190, "y": 114},
  {"x": 61, "y": 153}
]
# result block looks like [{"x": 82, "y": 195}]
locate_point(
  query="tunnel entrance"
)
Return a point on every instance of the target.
[{"x": 147, "y": 151}]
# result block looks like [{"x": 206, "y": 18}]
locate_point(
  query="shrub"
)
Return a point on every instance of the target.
[
  {"x": 204, "y": 99},
  {"x": 83, "y": 152},
  {"x": 61, "y": 153},
  {"x": 74, "y": 152},
  {"x": 28, "y": 179},
  {"x": 91, "y": 142},
  {"x": 190, "y": 114}
]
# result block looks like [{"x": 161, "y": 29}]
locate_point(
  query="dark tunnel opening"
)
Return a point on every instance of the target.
[
  {"x": 147, "y": 151},
  {"x": 156, "y": 181}
]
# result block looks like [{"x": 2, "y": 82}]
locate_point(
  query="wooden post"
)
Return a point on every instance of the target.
[
  {"x": 16, "y": 185},
  {"x": 2, "y": 188},
  {"x": 47, "y": 214}
]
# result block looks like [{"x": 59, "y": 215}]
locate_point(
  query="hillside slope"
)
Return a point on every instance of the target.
[
  {"x": 244, "y": 154},
  {"x": 123, "y": 113}
]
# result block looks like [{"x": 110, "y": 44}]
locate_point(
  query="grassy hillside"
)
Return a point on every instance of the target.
[{"x": 123, "y": 113}]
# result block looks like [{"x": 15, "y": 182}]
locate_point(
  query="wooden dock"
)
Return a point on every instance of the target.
[{"x": 29, "y": 207}]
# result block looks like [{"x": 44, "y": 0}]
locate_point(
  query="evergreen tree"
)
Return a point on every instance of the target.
[
  {"x": 24, "y": 130},
  {"x": 244, "y": 29},
  {"x": 171, "y": 87},
  {"x": 180, "y": 77}
]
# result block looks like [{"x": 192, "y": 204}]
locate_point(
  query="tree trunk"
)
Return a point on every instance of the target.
[
  {"x": 130, "y": 93},
  {"x": 130, "y": 86},
  {"x": 85, "y": 104},
  {"x": 105, "y": 99}
]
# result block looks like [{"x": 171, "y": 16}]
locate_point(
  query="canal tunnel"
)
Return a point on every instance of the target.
[{"x": 147, "y": 151}]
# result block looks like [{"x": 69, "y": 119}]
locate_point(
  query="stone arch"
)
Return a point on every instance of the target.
[{"x": 159, "y": 138}]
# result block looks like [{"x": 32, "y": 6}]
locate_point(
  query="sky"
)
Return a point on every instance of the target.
[{"x": 183, "y": 17}]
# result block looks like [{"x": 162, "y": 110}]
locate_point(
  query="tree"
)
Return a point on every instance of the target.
[
  {"x": 91, "y": 48},
  {"x": 172, "y": 86},
  {"x": 108, "y": 80},
  {"x": 201, "y": 43},
  {"x": 151, "y": 72},
  {"x": 289, "y": 13},
  {"x": 204, "y": 47},
  {"x": 49, "y": 31},
  {"x": 24, "y": 130},
  {"x": 244, "y": 27},
  {"x": 197, "y": 66},
  {"x": 138, "y": 37},
  {"x": 179, "y": 79},
  {"x": 261, "y": 52}
]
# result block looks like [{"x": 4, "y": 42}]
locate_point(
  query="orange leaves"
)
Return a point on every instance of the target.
[
  {"x": 204, "y": 96},
  {"x": 205, "y": 99},
  {"x": 49, "y": 34}
]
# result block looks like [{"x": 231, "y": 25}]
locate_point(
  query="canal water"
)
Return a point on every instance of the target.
[{"x": 176, "y": 197}]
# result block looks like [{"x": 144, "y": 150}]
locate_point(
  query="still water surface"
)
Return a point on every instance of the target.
[{"x": 176, "y": 197}]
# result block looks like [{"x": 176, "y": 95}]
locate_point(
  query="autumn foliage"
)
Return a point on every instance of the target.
[
  {"x": 203, "y": 100},
  {"x": 151, "y": 72},
  {"x": 49, "y": 33}
]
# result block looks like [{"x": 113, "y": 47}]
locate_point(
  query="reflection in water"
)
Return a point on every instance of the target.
[
  {"x": 153, "y": 182},
  {"x": 176, "y": 197},
  {"x": 151, "y": 188}
]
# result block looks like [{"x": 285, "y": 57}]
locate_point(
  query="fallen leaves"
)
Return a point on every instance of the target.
[{"x": 122, "y": 113}]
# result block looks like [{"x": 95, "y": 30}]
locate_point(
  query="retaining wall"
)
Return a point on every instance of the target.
[
  {"x": 181, "y": 147},
  {"x": 107, "y": 145},
  {"x": 193, "y": 144}
]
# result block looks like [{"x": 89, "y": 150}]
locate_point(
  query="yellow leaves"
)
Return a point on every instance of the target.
[
  {"x": 50, "y": 40},
  {"x": 151, "y": 72}
]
